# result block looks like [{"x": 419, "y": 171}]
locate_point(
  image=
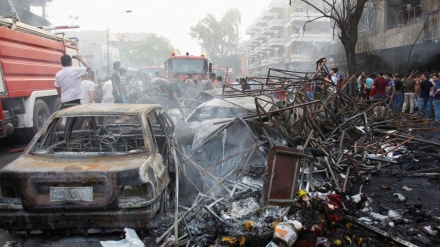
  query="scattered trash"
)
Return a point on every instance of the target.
[
  {"x": 131, "y": 240},
  {"x": 406, "y": 188},
  {"x": 399, "y": 197}
]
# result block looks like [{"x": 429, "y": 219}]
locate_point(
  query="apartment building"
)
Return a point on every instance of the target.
[{"x": 280, "y": 38}]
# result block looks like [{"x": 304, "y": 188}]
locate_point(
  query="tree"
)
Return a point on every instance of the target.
[
  {"x": 344, "y": 14},
  {"x": 220, "y": 39},
  {"x": 153, "y": 50}
]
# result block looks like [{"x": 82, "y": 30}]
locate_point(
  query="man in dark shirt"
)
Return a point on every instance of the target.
[
  {"x": 436, "y": 95},
  {"x": 174, "y": 93},
  {"x": 398, "y": 93},
  {"x": 425, "y": 100}
]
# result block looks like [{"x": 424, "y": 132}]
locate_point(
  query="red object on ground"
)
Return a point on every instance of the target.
[{"x": 16, "y": 150}]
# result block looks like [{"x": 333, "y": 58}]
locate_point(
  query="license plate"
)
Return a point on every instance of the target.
[{"x": 61, "y": 194}]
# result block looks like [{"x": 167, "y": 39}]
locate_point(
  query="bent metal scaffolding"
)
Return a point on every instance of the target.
[{"x": 330, "y": 134}]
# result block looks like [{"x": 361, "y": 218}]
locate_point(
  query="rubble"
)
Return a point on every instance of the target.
[{"x": 248, "y": 171}]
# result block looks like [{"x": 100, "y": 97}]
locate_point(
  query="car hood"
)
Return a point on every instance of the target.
[{"x": 72, "y": 163}]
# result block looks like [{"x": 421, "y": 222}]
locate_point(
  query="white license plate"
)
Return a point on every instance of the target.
[{"x": 62, "y": 194}]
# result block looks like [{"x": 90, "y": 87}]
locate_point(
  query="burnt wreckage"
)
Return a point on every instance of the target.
[
  {"x": 90, "y": 168},
  {"x": 301, "y": 161}
]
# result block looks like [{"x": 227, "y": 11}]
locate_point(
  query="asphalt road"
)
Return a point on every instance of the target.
[{"x": 15, "y": 240}]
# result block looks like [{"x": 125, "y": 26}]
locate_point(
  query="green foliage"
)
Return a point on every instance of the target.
[
  {"x": 219, "y": 39},
  {"x": 153, "y": 50}
]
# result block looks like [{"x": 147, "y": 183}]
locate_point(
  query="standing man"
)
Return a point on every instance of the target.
[
  {"x": 398, "y": 93},
  {"x": 436, "y": 80},
  {"x": 88, "y": 88},
  {"x": 424, "y": 98},
  {"x": 116, "y": 82},
  {"x": 175, "y": 93},
  {"x": 68, "y": 81},
  {"x": 410, "y": 91},
  {"x": 379, "y": 88}
]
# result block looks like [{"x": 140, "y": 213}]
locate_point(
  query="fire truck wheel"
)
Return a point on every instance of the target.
[{"x": 41, "y": 114}]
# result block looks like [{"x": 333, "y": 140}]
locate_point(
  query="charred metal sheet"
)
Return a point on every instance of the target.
[{"x": 282, "y": 173}]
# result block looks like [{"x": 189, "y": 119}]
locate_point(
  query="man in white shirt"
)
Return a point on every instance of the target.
[
  {"x": 107, "y": 92},
  {"x": 68, "y": 81},
  {"x": 88, "y": 88}
]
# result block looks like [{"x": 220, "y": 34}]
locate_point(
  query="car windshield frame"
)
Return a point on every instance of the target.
[{"x": 92, "y": 136}]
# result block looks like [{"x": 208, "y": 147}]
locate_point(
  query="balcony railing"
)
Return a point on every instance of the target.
[
  {"x": 306, "y": 37},
  {"x": 276, "y": 42},
  {"x": 276, "y": 24}
]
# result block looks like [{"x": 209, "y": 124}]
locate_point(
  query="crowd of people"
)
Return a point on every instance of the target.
[
  {"x": 416, "y": 93},
  {"x": 78, "y": 85}
]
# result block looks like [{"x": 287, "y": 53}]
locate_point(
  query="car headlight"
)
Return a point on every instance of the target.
[
  {"x": 141, "y": 190},
  {"x": 10, "y": 192}
]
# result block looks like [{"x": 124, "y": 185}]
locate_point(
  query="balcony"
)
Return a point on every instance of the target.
[
  {"x": 277, "y": 5},
  {"x": 303, "y": 17},
  {"x": 266, "y": 47},
  {"x": 260, "y": 36},
  {"x": 275, "y": 60},
  {"x": 297, "y": 58},
  {"x": 261, "y": 22},
  {"x": 273, "y": 42},
  {"x": 268, "y": 31},
  {"x": 276, "y": 24},
  {"x": 308, "y": 37},
  {"x": 268, "y": 15}
]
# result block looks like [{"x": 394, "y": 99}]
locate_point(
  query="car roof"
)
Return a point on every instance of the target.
[
  {"x": 106, "y": 109},
  {"x": 236, "y": 102}
]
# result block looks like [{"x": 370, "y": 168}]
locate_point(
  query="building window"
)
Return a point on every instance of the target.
[{"x": 402, "y": 13}]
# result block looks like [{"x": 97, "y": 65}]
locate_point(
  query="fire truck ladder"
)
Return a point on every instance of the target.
[{"x": 14, "y": 12}]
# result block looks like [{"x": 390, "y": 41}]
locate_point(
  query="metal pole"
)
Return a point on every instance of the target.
[
  {"x": 108, "y": 53},
  {"x": 108, "y": 38}
]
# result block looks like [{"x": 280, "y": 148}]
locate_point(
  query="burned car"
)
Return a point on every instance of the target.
[{"x": 92, "y": 167}]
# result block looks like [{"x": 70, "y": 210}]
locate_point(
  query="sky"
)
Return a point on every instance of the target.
[{"x": 171, "y": 19}]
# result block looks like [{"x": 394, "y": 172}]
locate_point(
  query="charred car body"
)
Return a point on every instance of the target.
[{"x": 93, "y": 166}]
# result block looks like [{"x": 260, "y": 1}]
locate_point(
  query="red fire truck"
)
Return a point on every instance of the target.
[
  {"x": 187, "y": 64},
  {"x": 222, "y": 72},
  {"x": 29, "y": 60},
  {"x": 151, "y": 70}
]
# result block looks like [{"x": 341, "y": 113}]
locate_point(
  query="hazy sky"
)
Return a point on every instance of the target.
[{"x": 169, "y": 18}]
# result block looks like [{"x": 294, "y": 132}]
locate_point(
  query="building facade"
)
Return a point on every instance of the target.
[
  {"x": 399, "y": 35},
  {"x": 285, "y": 37}
]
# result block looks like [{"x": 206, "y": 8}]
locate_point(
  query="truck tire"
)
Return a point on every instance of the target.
[{"x": 41, "y": 114}]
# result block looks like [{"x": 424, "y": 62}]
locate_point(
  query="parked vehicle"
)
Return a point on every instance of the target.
[
  {"x": 29, "y": 60},
  {"x": 93, "y": 166}
]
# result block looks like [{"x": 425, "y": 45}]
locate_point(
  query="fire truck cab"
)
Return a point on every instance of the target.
[
  {"x": 225, "y": 72},
  {"x": 181, "y": 66},
  {"x": 29, "y": 60}
]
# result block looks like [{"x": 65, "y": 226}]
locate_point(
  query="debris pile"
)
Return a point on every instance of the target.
[{"x": 286, "y": 177}]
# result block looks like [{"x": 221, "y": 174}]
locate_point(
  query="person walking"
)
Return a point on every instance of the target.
[
  {"x": 368, "y": 83},
  {"x": 436, "y": 95},
  {"x": 68, "y": 81},
  {"x": 425, "y": 100},
  {"x": 410, "y": 92},
  {"x": 379, "y": 88},
  {"x": 107, "y": 91},
  {"x": 88, "y": 88},
  {"x": 116, "y": 82},
  {"x": 398, "y": 93}
]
